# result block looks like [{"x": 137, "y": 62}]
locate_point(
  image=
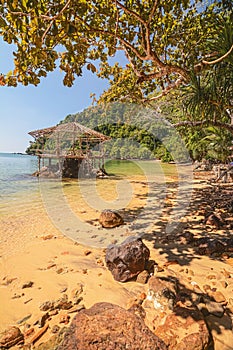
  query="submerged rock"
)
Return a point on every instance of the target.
[
  {"x": 127, "y": 259},
  {"x": 110, "y": 218}
]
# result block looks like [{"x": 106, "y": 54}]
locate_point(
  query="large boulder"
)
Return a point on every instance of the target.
[
  {"x": 107, "y": 326},
  {"x": 127, "y": 259},
  {"x": 110, "y": 218}
]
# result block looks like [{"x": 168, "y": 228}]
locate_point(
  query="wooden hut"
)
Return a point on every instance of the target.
[{"x": 69, "y": 150}]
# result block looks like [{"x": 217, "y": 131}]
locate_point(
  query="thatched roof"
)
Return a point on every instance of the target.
[{"x": 75, "y": 128}]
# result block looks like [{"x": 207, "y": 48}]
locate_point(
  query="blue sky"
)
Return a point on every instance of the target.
[{"x": 27, "y": 108}]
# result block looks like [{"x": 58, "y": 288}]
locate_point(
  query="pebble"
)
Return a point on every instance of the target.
[
  {"x": 206, "y": 287},
  {"x": 76, "y": 294},
  {"x": 53, "y": 312},
  {"x": 64, "y": 319},
  {"x": 55, "y": 329},
  {"x": 158, "y": 268},
  {"x": 224, "y": 284},
  {"x": 48, "y": 237},
  {"x": 218, "y": 297},
  {"x": 203, "y": 309},
  {"x": 24, "y": 319},
  {"x": 100, "y": 262},
  {"x": 191, "y": 273},
  {"x": 142, "y": 277},
  {"x": 50, "y": 266},
  {"x": 76, "y": 308},
  {"x": 211, "y": 277},
  {"x": 8, "y": 281},
  {"x": 63, "y": 303},
  {"x": 226, "y": 273},
  {"x": 28, "y": 284},
  {"x": 29, "y": 332},
  {"x": 215, "y": 309},
  {"x": 43, "y": 319},
  {"x": 87, "y": 252},
  {"x": 47, "y": 305},
  {"x": 27, "y": 301},
  {"x": 16, "y": 296}
]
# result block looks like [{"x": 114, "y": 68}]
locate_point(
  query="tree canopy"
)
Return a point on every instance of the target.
[{"x": 163, "y": 41}]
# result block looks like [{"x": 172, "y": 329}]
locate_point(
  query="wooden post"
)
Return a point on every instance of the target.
[{"x": 39, "y": 164}]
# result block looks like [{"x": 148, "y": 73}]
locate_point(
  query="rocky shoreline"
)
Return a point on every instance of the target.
[{"x": 181, "y": 298}]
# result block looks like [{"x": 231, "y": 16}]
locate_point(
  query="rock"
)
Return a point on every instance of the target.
[
  {"x": 65, "y": 318},
  {"x": 218, "y": 296},
  {"x": 127, "y": 259},
  {"x": 87, "y": 252},
  {"x": 76, "y": 294},
  {"x": 214, "y": 220},
  {"x": 63, "y": 303},
  {"x": 43, "y": 319},
  {"x": 11, "y": 337},
  {"x": 207, "y": 246},
  {"x": 107, "y": 326},
  {"x": 184, "y": 329},
  {"x": 215, "y": 309},
  {"x": 150, "y": 266},
  {"x": 110, "y": 218},
  {"x": 24, "y": 319},
  {"x": 163, "y": 292},
  {"x": 76, "y": 308},
  {"x": 142, "y": 277},
  {"x": 28, "y": 284},
  {"x": 55, "y": 329},
  {"x": 54, "y": 341},
  {"x": 47, "y": 306},
  {"x": 185, "y": 238}
]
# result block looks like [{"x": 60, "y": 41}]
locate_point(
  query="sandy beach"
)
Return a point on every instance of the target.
[{"x": 40, "y": 264}]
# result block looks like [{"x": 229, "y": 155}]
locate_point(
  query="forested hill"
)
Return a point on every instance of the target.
[
  {"x": 137, "y": 132},
  {"x": 133, "y": 133}
]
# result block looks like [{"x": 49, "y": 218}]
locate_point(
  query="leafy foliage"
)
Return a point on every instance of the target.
[
  {"x": 162, "y": 41},
  {"x": 131, "y": 137}
]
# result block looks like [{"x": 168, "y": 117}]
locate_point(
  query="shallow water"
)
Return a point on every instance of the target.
[{"x": 31, "y": 206}]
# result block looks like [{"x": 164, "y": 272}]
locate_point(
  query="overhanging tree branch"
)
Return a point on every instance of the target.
[
  {"x": 53, "y": 19},
  {"x": 176, "y": 84},
  {"x": 220, "y": 58},
  {"x": 206, "y": 122}
]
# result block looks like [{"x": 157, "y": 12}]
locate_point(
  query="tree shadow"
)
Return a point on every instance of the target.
[{"x": 192, "y": 303}]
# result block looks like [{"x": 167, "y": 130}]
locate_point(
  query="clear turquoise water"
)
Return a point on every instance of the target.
[
  {"x": 15, "y": 173},
  {"x": 22, "y": 196}
]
